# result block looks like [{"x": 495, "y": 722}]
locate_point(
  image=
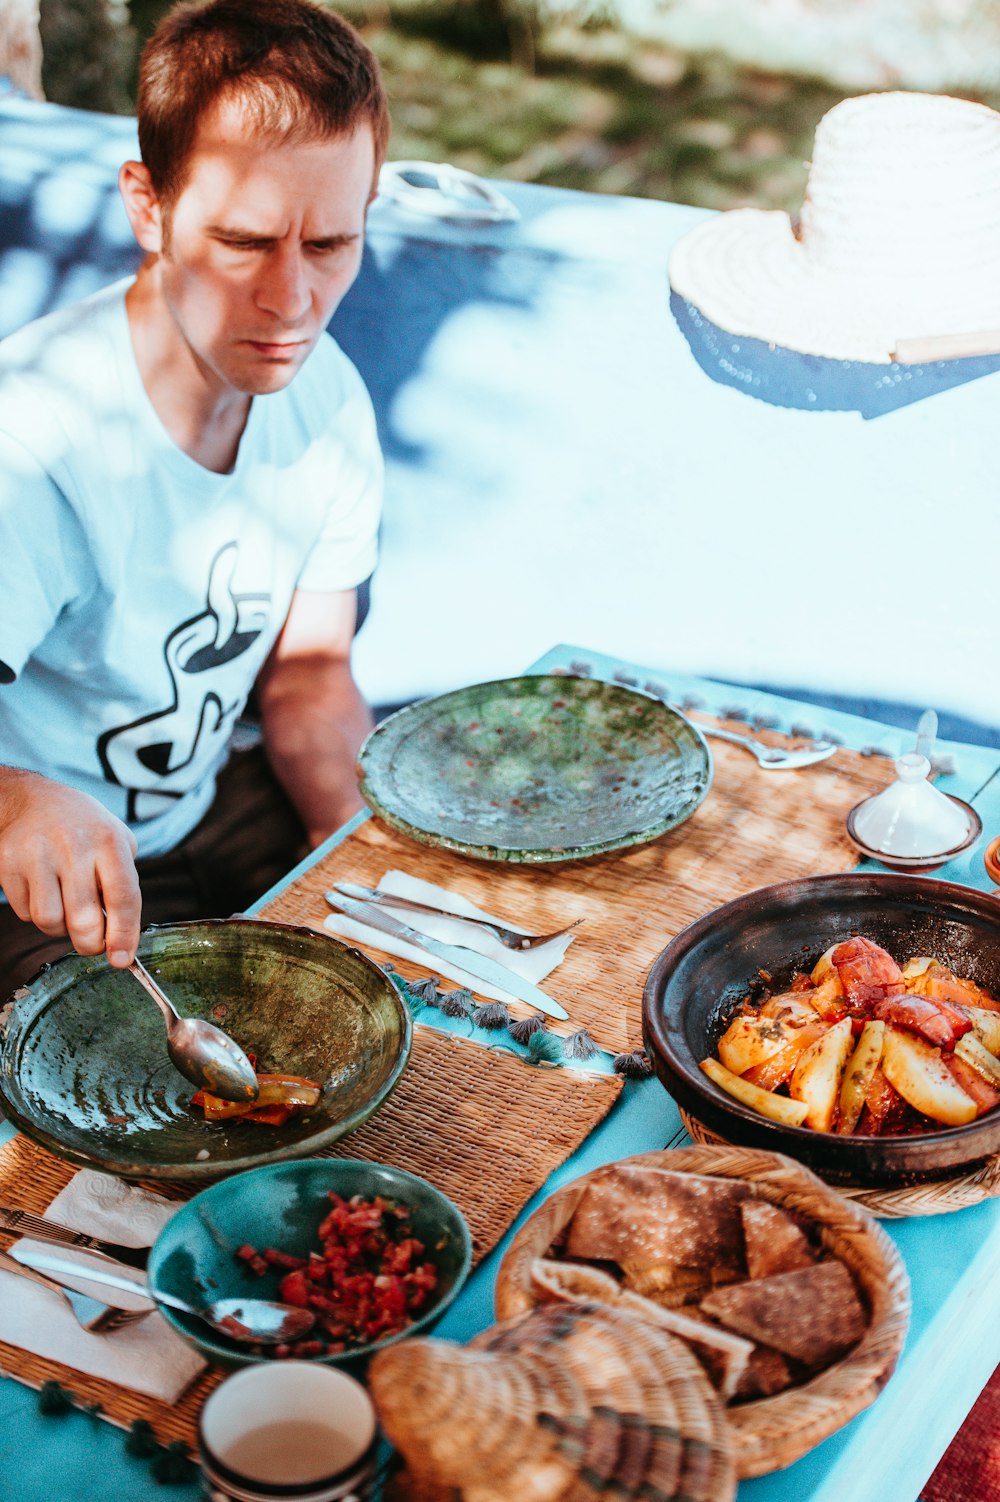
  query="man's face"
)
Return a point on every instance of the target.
[{"x": 260, "y": 245}]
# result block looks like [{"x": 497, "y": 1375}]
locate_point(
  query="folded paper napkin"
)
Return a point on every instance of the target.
[
  {"x": 146, "y": 1356},
  {"x": 531, "y": 964}
]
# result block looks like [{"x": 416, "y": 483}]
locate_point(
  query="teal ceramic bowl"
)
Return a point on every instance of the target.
[
  {"x": 281, "y": 1206},
  {"x": 536, "y": 770},
  {"x": 84, "y": 1068}
]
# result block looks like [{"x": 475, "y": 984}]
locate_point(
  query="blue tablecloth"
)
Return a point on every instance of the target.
[{"x": 884, "y": 1455}]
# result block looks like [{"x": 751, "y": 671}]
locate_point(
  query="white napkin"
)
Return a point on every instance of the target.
[
  {"x": 531, "y": 964},
  {"x": 146, "y": 1356}
]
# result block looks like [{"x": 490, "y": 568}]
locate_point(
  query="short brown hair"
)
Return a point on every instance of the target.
[{"x": 301, "y": 72}]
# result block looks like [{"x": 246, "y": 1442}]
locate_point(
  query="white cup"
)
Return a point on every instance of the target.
[{"x": 289, "y": 1429}]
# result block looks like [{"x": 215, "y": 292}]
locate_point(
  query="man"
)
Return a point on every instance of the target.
[{"x": 190, "y": 488}]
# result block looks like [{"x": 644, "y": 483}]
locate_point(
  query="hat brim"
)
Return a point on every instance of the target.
[{"x": 747, "y": 273}]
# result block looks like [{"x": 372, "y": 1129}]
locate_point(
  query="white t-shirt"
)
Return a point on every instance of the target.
[{"x": 141, "y": 593}]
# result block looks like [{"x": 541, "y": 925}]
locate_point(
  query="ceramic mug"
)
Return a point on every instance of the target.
[{"x": 289, "y": 1429}]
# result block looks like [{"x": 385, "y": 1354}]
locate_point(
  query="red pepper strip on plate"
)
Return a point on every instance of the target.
[{"x": 278, "y": 1096}]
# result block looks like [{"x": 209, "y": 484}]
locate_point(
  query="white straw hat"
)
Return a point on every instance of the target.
[{"x": 899, "y": 237}]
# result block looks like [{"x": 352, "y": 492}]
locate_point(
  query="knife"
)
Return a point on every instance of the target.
[
  {"x": 127, "y": 1292},
  {"x": 26, "y": 1224},
  {"x": 88, "y": 1311},
  {"x": 456, "y": 954}
]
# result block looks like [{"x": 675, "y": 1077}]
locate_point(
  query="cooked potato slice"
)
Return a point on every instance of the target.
[
  {"x": 776, "y": 1070},
  {"x": 750, "y": 1040},
  {"x": 916, "y": 967},
  {"x": 971, "y": 1049},
  {"x": 816, "y": 1077},
  {"x": 986, "y": 1026},
  {"x": 915, "y": 1069},
  {"x": 858, "y": 1073},
  {"x": 824, "y": 967},
  {"x": 775, "y": 1107}
]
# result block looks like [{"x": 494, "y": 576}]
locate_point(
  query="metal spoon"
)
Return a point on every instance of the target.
[
  {"x": 259, "y": 1322},
  {"x": 202, "y": 1052},
  {"x": 773, "y": 758}
]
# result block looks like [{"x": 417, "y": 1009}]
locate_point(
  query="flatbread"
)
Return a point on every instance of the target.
[
  {"x": 723, "y": 1354},
  {"x": 766, "y": 1373},
  {"x": 572, "y": 1282},
  {"x": 675, "y": 1287},
  {"x": 813, "y": 1315},
  {"x": 662, "y": 1228},
  {"x": 773, "y": 1242}
]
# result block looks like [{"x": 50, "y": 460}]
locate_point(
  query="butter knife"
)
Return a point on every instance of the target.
[
  {"x": 118, "y": 1291},
  {"x": 26, "y": 1224},
  {"x": 456, "y": 954},
  {"x": 88, "y": 1312}
]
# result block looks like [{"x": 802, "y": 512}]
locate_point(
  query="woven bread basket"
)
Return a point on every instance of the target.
[{"x": 767, "y": 1433}]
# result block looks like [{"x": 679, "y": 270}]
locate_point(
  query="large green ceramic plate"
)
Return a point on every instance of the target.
[
  {"x": 536, "y": 769},
  {"x": 84, "y": 1068}
]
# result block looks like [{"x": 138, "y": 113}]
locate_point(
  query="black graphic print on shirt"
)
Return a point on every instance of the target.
[{"x": 151, "y": 758}]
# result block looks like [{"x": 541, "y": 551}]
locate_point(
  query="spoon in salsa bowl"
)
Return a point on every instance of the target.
[{"x": 261, "y": 1322}]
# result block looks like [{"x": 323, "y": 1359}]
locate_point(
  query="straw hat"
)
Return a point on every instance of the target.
[
  {"x": 899, "y": 237},
  {"x": 571, "y": 1402}
]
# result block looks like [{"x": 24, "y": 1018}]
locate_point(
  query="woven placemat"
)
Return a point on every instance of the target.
[
  {"x": 935, "y": 1197},
  {"x": 755, "y": 827},
  {"x": 485, "y": 1127}
]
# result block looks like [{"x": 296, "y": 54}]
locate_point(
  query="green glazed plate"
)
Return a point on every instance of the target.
[
  {"x": 536, "y": 769},
  {"x": 84, "y": 1068},
  {"x": 281, "y": 1206}
]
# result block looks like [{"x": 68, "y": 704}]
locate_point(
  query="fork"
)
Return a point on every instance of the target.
[
  {"x": 117, "y": 1319},
  {"x": 774, "y": 758},
  {"x": 510, "y": 938},
  {"x": 33, "y": 1226}
]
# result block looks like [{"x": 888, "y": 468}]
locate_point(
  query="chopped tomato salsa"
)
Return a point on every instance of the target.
[{"x": 369, "y": 1277}]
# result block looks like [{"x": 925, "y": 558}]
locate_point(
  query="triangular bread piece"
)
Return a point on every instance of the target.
[
  {"x": 766, "y": 1373},
  {"x": 813, "y": 1315},
  {"x": 662, "y": 1227},
  {"x": 773, "y": 1242}
]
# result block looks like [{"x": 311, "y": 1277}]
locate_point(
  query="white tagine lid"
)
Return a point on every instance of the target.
[{"x": 911, "y": 818}]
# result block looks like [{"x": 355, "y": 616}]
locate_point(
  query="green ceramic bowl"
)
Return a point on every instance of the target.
[
  {"x": 84, "y": 1068},
  {"x": 537, "y": 769},
  {"x": 281, "y": 1206}
]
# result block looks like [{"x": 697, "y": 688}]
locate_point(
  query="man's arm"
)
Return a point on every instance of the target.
[
  {"x": 314, "y": 718},
  {"x": 65, "y": 861}
]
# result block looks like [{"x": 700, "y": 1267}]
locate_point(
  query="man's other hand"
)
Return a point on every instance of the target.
[{"x": 67, "y": 865}]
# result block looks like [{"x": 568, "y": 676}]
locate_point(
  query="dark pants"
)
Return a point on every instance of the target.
[{"x": 250, "y": 837}]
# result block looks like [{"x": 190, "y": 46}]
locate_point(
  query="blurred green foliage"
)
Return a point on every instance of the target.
[
  {"x": 88, "y": 54},
  {"x": 489, "y": 86}
]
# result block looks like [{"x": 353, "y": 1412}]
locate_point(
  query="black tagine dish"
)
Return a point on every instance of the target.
[{"x": 764, "y": 939}]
